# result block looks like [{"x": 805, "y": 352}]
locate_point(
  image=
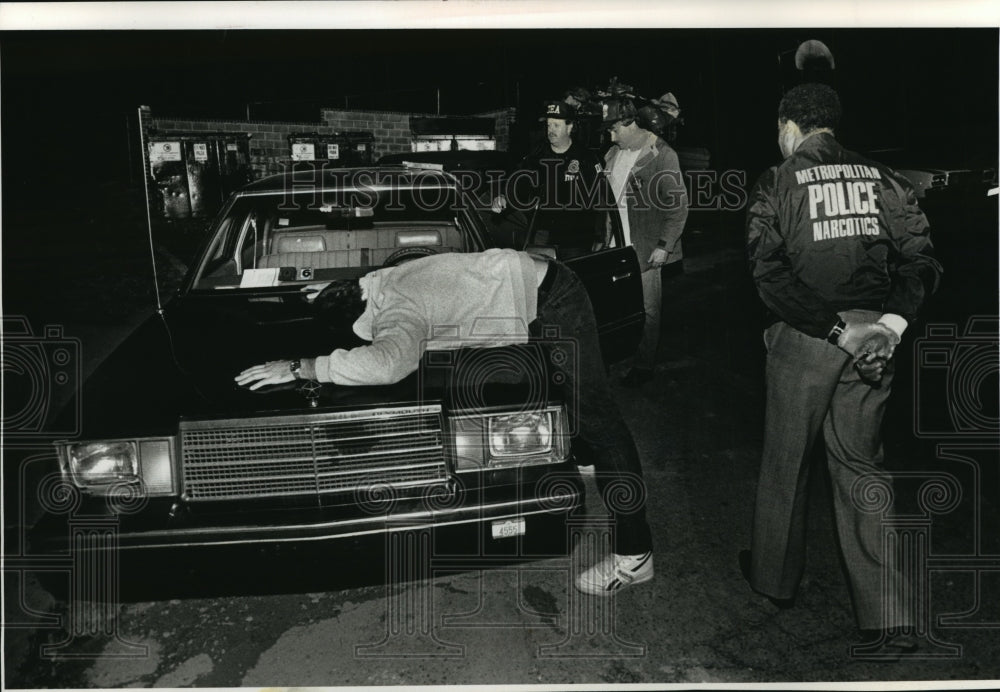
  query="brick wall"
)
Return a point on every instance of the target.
[
  {"x": 391, "y": 130},
  {"x": 269, "y": 140},
  {"x": 505, "y": 119}
]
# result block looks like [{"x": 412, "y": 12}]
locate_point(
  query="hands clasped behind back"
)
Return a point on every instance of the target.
[{"x": 871, "y": 345}]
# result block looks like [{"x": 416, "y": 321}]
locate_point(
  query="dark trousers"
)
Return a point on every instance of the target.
[
  {"x": 563, "y": 303},
  {"x": 812, "y": 386}
]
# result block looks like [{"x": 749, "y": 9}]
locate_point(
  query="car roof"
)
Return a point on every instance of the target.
[
  {"x": 366, "y": 177},
  {"x": 452, "y": 159}
]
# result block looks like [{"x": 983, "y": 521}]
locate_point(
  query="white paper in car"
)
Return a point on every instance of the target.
[{"x": 254, "y": 278}]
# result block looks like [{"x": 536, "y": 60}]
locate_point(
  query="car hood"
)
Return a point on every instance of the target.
[{"x": 181, "y": 364}]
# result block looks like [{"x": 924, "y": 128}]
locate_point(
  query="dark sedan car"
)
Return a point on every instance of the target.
[{"x": 179, "y": 455}]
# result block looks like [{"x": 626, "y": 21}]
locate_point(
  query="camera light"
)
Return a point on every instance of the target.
[
  {"x": 103, "y": 463},
  {"x": 517, "y": 435}
]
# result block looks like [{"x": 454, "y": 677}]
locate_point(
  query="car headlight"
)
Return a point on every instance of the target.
[
  {"x": 103, "y": 463},
  {"x": 506, "y": 439},
  {"x": 98, "y": 465},
  {"x": 525, "y": 433}
]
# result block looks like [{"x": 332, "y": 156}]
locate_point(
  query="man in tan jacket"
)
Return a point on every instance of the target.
[{"x": 646, "y": 180}]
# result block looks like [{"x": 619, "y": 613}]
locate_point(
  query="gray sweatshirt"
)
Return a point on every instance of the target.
[{"x": 446, "y": 301}]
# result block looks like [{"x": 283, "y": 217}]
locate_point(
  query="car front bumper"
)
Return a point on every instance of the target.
[{"x": 168, "y": 523}]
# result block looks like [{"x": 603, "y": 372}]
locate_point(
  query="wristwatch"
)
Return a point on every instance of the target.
[
  {"x": 296, "y": 367},
  {"x": 834, "y": 336}
]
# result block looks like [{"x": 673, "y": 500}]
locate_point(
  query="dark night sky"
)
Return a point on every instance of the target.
[{"x": 67, "y": 96}]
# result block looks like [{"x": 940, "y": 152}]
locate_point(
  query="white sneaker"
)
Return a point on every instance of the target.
[{"x": 615, "y": 572}]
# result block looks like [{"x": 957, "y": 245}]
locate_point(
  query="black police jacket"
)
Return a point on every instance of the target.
[
  {"x": 556, "y": 181},
  {"x": 569, "y": 190},
  {"x": 829, "y": 230}
]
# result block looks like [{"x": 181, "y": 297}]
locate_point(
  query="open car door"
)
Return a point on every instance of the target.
[
  {"x": 612, "y": 276},
  {"x": 610, "y": 271}
]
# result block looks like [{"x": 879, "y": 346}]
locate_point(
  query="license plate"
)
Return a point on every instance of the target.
[{"x": 507, "y": 528}]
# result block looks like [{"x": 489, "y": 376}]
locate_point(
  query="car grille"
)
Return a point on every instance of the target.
[{"x": 312, "y": 455}]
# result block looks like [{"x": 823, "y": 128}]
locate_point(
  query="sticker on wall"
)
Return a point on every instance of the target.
[
  {"x": 360, "y": 147},
  {"x": 333, "y": 151},
  {"x": 303, "y": 151},
  {"x": 200, "y": 152},
  {"x": 232, "y": 147},
  {"x": 164, "y": 151}
]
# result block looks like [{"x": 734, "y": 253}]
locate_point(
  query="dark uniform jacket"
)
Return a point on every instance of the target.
[
  {"x": 568, "y": 187},
  {"x": 829, "y": 230},
  {"x": 558, "y": 180}
]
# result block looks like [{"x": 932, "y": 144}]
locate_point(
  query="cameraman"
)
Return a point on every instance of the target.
[
  {"x": 645, "y": 177},
  {"x": 842, "y": 258},
  {"x": 399, "y": 308}
]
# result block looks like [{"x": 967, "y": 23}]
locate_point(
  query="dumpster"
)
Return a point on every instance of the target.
[
  {"x": 312, "y": 146},
  {"x": 234, "y": 162},
  {"x": 194, "y": 172},
  {"x": 360, "y": 148}
]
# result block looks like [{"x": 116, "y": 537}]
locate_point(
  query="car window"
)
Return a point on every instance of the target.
[
  {"x": 281, "y": 238},
  {"x": 563, "y": 234},
  {"x": 561, "y": 229}
]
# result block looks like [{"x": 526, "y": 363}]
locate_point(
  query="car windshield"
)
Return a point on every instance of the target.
[{"x": 312, "y": 235}]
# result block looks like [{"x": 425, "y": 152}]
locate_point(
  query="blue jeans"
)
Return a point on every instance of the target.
[
  {"x": 563, "y": 302},
  {"x": 812, "y": 386}
]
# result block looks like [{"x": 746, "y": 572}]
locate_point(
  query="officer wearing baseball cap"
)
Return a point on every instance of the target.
[
  {"x": 560, "y": 183},
  {"x": 559, "y": 110}
]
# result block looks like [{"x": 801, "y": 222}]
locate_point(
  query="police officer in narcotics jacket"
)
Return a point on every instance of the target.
[{"x": 842, "y": 259}]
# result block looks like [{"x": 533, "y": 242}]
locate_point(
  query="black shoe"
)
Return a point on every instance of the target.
[
  {"x": 745, "y": 561},
  {"x": 637, "y": 377}
]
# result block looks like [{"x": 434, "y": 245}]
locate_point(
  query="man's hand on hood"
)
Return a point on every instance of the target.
[{"x": 271, "y": 372}]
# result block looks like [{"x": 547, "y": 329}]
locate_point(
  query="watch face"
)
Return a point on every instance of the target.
[{"x": 835, "y": 333}]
